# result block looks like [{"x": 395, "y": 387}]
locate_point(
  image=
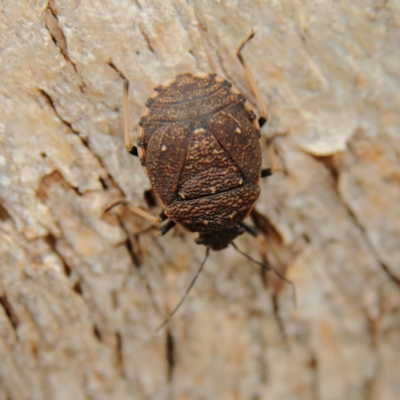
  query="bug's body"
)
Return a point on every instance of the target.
[{"x": 199, "y": 144}]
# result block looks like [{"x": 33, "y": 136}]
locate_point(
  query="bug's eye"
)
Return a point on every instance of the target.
[
  {"x": 240, "y": 230},
  {"x": 199, "y": 240}
]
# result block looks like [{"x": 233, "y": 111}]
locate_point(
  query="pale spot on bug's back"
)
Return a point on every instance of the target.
[
  {"x": 238, "y": 131},
  {"x": 163, "y": 147}
]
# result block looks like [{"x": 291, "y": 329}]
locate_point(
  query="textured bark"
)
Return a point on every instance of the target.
[{"x": 81, "y": 292}]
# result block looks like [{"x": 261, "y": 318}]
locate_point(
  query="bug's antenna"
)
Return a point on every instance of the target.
[
  {"x": 267, "y": 267},
  {"x": 186, "y": 293}
]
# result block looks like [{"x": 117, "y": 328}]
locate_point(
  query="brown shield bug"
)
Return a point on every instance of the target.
[{"x": 199, "y": 144}]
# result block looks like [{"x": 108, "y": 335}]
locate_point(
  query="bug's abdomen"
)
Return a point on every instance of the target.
[
  {"x": 214, "y": 213},
  {"x": 208, "y": 169}
]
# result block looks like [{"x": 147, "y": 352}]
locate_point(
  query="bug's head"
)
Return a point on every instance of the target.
[{"x": 219, "y": 240}]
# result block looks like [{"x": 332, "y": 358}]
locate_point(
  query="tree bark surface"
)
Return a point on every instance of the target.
[{"x": 81, "y": 292}]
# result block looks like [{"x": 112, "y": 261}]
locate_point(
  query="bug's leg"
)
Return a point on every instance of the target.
[
  {"x": 250, "y": 78},
  {"x": 272, "y": 158},
  {"x": 115, "y": 204},
  {"x": 138, "y": 211},
  {"x": 166, "y": 228},
  {"x": 163, "y": 216},
  {"x": 266, "y": 172},
  {"x": 127, "y": 140},
  {"x": 264, "y": 110},
  {"x": 143, "y": 213},
  {"x": 249, "y": 229}
]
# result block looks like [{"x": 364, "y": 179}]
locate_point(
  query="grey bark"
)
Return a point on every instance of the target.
[{"x": 81, "y": 292}]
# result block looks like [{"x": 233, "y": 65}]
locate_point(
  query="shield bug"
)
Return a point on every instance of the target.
[{"x": 199, "y": 144}]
